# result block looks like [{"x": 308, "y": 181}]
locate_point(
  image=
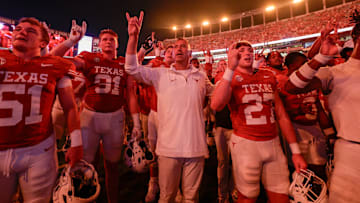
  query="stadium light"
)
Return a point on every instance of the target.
[
  {"x": 174, "y": 28},
  {"x": 205, "y": 23},
  {"x": 188, "y": 26},
  {"x": 297, "y": 1},
  {"x": 224, "y": 19},
  {"x": 270, "y": 8}
]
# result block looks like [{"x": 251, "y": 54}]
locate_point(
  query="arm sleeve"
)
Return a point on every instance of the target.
[{"x": 142, "y": 74}]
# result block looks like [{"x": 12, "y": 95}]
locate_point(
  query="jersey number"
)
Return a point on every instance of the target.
[
  {"x": 17, "y": 108},
  {"x": 257, "y": 107},
  {"x": 106, "y": 86}
]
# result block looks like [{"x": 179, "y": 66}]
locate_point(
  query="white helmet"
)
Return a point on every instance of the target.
[
  {"x": 138, "y": 156},
  {"x": 307, "y": 188},
  {"x": 78, "y": 184}
]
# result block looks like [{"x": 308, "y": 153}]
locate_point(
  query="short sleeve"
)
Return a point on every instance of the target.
[{"x": 325, "y": 76}]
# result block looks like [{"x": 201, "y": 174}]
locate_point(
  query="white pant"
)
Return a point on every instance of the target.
[
  {"x": 108, "y": 127},
  {"x": 173, "y": 170},
  {"x": 253, "y": 160},
  {"x": 345, "y": 179},
  {"x": 222, "y": 136},
  {"x": 153, "y": 124},
  {"x": 34, "y": 168}
]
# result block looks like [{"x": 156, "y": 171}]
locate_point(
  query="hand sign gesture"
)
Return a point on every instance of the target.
[
  {"x": 233, "y": 57},
  {"x": 77, "y": 32},
  {"x": 134, "y": 24}
]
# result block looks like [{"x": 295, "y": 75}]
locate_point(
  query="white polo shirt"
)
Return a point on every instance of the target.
[
  {"x": 342, "y": 82},
  {"x": 180, "y": 102}
]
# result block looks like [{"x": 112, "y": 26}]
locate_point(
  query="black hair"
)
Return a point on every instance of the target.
[
  {"x": 292, "y": 57},
  {"x": 355, "y": 18}
]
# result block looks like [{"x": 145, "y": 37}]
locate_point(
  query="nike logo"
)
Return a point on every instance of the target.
[
  {"x": 121, "y": 64},
  {"x": 46, "y": 65},
  {"x": 266, "y": 76}
]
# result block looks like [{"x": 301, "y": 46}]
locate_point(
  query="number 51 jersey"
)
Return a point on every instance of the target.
[
  {"x": 106, "y": 82},
  {"x": 27, "y": 91},
  {"x": 252, "y": 105}
]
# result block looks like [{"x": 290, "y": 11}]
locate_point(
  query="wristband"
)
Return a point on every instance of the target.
[
  {"x": 157, "y": 52},
  {"x": 136, "y": 120},
  {"x": 295, "y": 80},
  {"x": 75, "y": 137},
  {"x": 228, "y": 75},
  {"x": 307, "y": 71},
  {"x": 329, "y": 131},
  {"x": 323, "y": 59},
  {"x": 294, "y": 147},
  {"x": 208, "y": 59}
]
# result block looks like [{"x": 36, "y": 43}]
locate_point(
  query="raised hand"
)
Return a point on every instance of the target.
[
  {"x": 233, "y": 57},
  {"x": 134, "y": 24},
  {"x": 77, "y": 31},
  {"x": 329, "y": 46}
]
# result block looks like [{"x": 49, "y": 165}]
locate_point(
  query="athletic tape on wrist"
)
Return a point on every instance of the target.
[
  {"x": 136, "y": 120},
  {"x": 323, "y": 59},
  {"x": 75, "y": 137},
  {"x": 294, "y": 147},
  {"x": 228, "y": 74},
  {"x": 208, "y": 59},
  {"x": 295, "y": 80},
  {"x": 307, "y": 71},
  {"x": 157, "y": 52}
]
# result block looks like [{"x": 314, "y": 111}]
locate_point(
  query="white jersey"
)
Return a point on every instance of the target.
[{"x": 342, "y": 83}]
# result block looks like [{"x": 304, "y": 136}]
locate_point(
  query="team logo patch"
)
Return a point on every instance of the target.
[
  {"x": 97, "y": 59},
  {"x": 239, "y": 78},
  {"x": 266, "y": 76},
  {"x": 46, "y": 65},
  {"x": 2, "y": 61}
]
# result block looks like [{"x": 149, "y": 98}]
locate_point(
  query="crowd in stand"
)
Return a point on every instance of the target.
[{"x": 291, "y": 27}]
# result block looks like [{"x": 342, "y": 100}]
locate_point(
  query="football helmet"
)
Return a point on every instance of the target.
[
  {"x": 307, "y": 188},
  {"x": 137, "y": 155},
  {"x": 78, "y": 184}
]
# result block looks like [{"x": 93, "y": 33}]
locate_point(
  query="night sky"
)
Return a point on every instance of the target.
[{"x": 160, "y": 15}]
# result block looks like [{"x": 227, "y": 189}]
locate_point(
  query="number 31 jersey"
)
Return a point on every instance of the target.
[
  {"x": 106, "y": 82},
  {"x": 27, "y": 91},
  {"x": 252, "y": 105}
]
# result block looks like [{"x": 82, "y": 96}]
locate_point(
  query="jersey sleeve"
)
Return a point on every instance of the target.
[{"x": 325, "y": 76}]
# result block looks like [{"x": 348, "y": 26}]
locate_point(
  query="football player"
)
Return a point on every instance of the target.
[
  {"x": 255, "y": 146},
  {"x": 341, "y": 83},
  {"x": 181, "y": 142},
  {"x": 305, "y": 112},
  {"x": 108, "y": 89},
  {"x": 28, "y": 84},
  {"x": 275, "y": 63}
]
